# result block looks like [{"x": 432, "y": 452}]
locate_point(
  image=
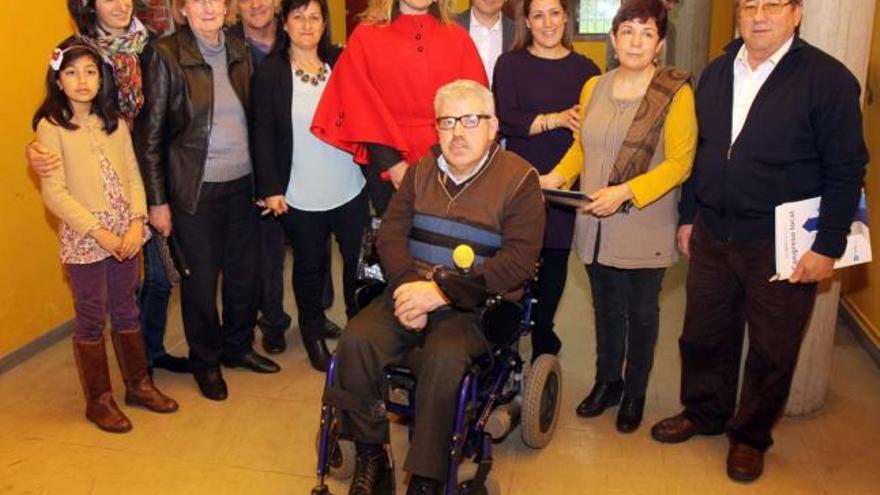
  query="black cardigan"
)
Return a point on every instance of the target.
[
  {"x": 802, "y": 138},
  {"x": 271, "y": 127}
]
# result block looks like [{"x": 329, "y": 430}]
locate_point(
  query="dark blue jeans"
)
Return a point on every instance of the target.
[
  {"x": 627, "y": 311},
  {"x": 273, "y": 318},
  {"x": 154, "y": 295}
]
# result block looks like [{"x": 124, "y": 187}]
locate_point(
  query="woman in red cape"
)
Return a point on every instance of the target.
[{"x": 379, "y": 102}]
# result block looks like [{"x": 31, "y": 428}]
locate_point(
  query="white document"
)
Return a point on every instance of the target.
[{"x": 796, "y": 227}]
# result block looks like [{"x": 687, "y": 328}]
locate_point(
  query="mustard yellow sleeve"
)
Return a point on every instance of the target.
[
  {"x": 680, "y": 143},
  {"x": 56, "y": 196},
  {"x": 571, "y": 164}
]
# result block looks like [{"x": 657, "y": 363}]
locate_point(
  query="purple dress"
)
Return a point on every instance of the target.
[{"x": 525, "y": 86}]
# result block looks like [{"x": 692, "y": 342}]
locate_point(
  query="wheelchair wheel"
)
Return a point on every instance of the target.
[
  {"x": 491, "y": 487},
  {"x": 341, "y": 454},
  {"x": 541, "y": 400}
]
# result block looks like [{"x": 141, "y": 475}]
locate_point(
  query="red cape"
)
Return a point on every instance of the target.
[{"x": 382, "y": 88}]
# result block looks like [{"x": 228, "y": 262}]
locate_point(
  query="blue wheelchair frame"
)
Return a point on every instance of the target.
[{"x": 494, "y": 379}]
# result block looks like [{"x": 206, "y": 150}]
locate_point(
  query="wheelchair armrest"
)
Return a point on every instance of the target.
[
  {"x": 466, "y": 292},
  {"x": 366, "y": 291}
]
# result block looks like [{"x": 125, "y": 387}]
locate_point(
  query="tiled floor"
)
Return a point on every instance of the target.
[{"x": 261, "y": 440}]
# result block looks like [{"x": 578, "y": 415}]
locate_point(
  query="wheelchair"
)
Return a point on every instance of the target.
[{"x": 495, "y": 396}]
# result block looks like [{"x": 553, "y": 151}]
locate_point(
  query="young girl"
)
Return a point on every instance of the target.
[{"x": 98, "y": 195}]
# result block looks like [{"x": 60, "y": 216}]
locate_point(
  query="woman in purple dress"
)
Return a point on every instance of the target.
[{"x": 537, "y": 85}]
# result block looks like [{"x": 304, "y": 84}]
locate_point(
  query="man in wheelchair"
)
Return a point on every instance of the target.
[{"x": 475, "y": 194}]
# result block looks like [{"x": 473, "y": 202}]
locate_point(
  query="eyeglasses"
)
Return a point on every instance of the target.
[
  {"x": 469, "y": 121},
  {"x": 770, "y": 8}
]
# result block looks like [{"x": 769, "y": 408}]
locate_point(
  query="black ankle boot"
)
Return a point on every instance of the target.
[
  {"x": 603, "y": 396},
  {"x": 419, "y": 485},
  {"x": 372, "y": 474},
  {"x": 629, "y": 416},
  {"x": 317, "y": 350}
]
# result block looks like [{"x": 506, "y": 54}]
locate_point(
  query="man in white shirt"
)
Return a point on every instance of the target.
[
  {"x": 491, "y": 30},
  {"x": 780, "y": 121}
]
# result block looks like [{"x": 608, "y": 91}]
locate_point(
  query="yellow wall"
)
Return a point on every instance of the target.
[
  {"x": 337, "y": 20},
  {"x": 593, "y": 50},
  {"x": 861, "y": 284},
  {"x": 34, "y": 296},
  {"x": 721, "y": 32}
]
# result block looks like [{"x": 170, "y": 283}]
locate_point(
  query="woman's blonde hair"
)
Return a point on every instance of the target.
[
  {"x": 180, "y": 19},
  {"x": 382, "y": 11}
]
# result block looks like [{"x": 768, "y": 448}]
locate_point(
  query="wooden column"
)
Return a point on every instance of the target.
[{"x": 843, "y": 29}]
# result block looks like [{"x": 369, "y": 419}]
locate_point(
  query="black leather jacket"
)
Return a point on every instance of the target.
[{"x": 172, "y": 130}]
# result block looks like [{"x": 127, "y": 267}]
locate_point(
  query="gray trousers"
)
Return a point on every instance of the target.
[{"x": 439, "y": 357}]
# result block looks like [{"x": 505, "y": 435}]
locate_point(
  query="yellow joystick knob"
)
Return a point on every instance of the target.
[{"x": 463, "y": 257}]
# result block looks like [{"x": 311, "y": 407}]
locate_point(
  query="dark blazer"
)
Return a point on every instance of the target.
[
  {"x": 172, "y": 130},
  {"x": 802, "y": 138},
  {"x": 271, "y": 127},
  {"x": 508, "y": 29}
]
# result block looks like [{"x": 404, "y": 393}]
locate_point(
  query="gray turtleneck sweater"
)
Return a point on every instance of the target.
[{"x": 228, "y": 153}]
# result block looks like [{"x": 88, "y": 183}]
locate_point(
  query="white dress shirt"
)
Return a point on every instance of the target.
[
  {"x": 747, "y": 83},
  {"x": 322, "y": 177},
  {"x": 489, "y": 43}
]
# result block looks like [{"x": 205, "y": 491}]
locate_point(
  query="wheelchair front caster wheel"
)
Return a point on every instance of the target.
[
  {"x": 490, "y": 487},
  {"x": 541, "y": 400},
  {"x": 341, "y": 455}
]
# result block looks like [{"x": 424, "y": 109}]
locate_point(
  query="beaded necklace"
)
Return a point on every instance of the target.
[{"x": 309, "y": 76}]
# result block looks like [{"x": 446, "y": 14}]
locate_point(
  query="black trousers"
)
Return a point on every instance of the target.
[
  {"x": 221, "y": 238},
  {"x": 309, "y": 232},
  {"x": 439, "y": 356},
  {"x": 548, "y": 290},
  {"x": 625, "y": 302},
  {"x": 727, "y": 286}
]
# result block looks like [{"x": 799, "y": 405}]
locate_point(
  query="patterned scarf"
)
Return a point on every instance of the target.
[
  {"x": 643, "y": 136},
  {"x": 121, "y": 53}
]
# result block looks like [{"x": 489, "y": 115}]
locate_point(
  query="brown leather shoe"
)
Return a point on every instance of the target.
[
  {"x": 679, "y": 429},
  {"x": 139, "y": 388},
  {"x": 744, "y": 462},
  {"x": 101, "y": 409}
]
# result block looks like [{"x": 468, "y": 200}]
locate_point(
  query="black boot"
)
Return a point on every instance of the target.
[
  {"x": 629, "y": 416},
  {"x": 316, "y": 348},
  {"x": 603, "y": 396},
  {"x": 419, "y": 485},
  {"x": 372, "y": 473}
]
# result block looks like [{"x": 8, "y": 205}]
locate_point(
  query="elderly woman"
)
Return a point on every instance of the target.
[
  {"x": 536, "y": 87},
  {"x": 120, "y": 38},
  {"x": 378, "y": 103},
  {"x": 191, "y": 139},
  {"x": 636, "y": 146},
  {"x": 314, "y": 188}
]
